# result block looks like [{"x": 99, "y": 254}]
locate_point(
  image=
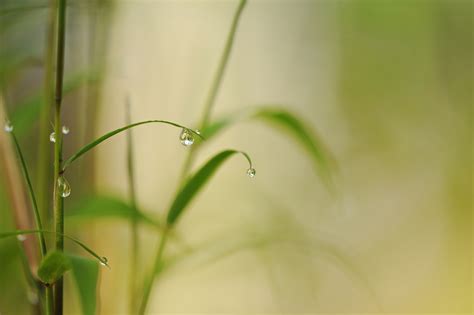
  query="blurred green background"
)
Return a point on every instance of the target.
[{"x": 387, "y": 86}]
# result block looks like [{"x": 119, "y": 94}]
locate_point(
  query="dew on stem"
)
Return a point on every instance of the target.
[
  {"x": 52, "y": 137},
  {"x": 8, "y": 126},
  {"x": 64, "y": 188},
  {"x": 251, "y": 172},
  {"x": 65, "y": 130},
  {"x": 21, "y": 237},
  {"x": 103, "y": 261},
  {"x": 186, "y": 137}
]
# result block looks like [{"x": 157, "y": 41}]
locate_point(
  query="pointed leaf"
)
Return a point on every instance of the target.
[
  {"x": 86, "y": 274},
  {"x": 101, "y": 139},
  {"x": 53, "y": 266},
  {"x": 197, "y": 181}
]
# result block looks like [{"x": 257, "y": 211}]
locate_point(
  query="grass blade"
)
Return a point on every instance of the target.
[
  {"x": 101, "y": 259},
  {"x": 197, "y": 181},
  {"x": 101, "y": 139},
  {"x": 86, "y": 275},
  {"x": 53, "y": 266}
]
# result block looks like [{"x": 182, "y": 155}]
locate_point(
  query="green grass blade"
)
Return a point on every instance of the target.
[
  {"x": 86, "y": 275},
  {"x": 100, "y": 206},
  {"x": 290, "y": 125},
  {"x": 101, "y": 259},
  {"x": 197, "y": 181},
  {"x": 53, "y": 266},
  {"x": 34, "y": 204},
  {"x": 101, "y": 139}
]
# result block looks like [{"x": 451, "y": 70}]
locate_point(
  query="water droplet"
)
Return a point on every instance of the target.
[
  {"x": 186, "y": 137},
  {"x": 52, "y": 137},
  {"x": 65, "y": 130},
  {"x": 63, "y": 187},
  {"x": 21, "y": 237},
  {"x": 8, "y": 126},
  {"x": 103, "y": 261},
  {"x": 197, "y": 131},
  {"x": 33, "y": 297},
  {"x": 251, "y": 172}
]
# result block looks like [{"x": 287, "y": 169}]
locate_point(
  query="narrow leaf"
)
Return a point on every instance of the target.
[
  {"x": 86, "y": 274},
  {"x": 197, "y": 181},
  {"x": 53, "y": 266},
  {"x": 101, "y": 259},
  {"x": 101, "y": 139},
  {"x": 97, "y": 207}
]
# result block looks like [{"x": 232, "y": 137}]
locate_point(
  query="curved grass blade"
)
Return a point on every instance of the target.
[
  {"x": 197, "y": 181},
  {"x": 34, "y": 204},
  {"x": 53, "y": 266},
  {"x": 101, "y": 259},
  {"x": 86, "y": 275},
  {"x": 289, "y": 124},
  {"x": 101, "y": 139},
  {"x": 97, "y": 206}
]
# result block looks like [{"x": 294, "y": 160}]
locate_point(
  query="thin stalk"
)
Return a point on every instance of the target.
[
  {"x": 156, "y": 266},
  {"x": 208, "y": 105},
  {"x": 133, "y": 222},
  {"x": 215, "y": 85},
  {"x": 43, "y": 163},
  {"x": 58, "y": 206}
]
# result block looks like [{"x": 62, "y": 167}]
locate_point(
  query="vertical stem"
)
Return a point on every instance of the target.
[
  {"x": 154, "y": 270},
  {"x": 133, "y": 222},
  {"x": 57, "y": 199},
  {"x": 43, "y": 162}
]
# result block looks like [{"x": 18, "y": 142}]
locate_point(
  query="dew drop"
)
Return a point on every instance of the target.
[
  {"x": 65, "y": 130},
  {"x": 21, "y": 237},
  {"x": 52, "y": 137},
  {"x": 63, "y": 187},
  {"x": 103, "y": 261},
  {"x": 251, "y": 172},
  {"x": 197, "y": 131},
  {"x": 186, "y": 137},
  {"x": 8, "y": 126},
  {"x": 33, "y": 297}
]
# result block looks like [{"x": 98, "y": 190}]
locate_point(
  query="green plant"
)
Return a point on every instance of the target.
[{"x": 56, "y": 262}]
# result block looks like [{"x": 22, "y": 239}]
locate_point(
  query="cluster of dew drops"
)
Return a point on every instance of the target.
[{"x": 187, "y": 139}]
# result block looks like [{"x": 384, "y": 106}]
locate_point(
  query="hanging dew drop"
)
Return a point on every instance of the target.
[
  {"x": 52, "y": 137},
  {"x": 8, "y": 126},
  {"x": 251, "y": 172},
  {"x": 186, "y": 137},
  {"x": 103, "y": 261},
  {"x": 21, "y": 237},
  {"x": 65, "y": 130},
  {"x": 63, "y": 187}
]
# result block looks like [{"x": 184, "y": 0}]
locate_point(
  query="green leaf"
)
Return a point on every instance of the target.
[
  {"x": 101, "y": 259},
  {"x": 290, "y": 125},
  {"x": 86, "y": 274},
  {"x": 197, "y": 181},
  {"x": 53, "y": 266},
  {"x": 101, "y": 139},
  {"x": 96, "y": 206}
]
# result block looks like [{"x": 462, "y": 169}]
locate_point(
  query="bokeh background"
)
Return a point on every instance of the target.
[{"x": 387, "y": 86}]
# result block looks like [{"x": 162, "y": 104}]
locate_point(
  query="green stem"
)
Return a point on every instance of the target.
[
  {"x": 133, "y": 222},
  {"x": 43, "y": 163},
  {"x": 156, "y": 266},
  {"x": 58, "y": 202}
]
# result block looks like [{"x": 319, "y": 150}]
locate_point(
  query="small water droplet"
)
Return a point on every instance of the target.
[
  {"x": 52, "y": 137},
  {"x": 8, "y": 126},
  {"x": 186, "y": 137},
  {"x": 63, "y": 187},
  {"x": 21, "y": 237},
  {"x": 197, "y": 131},
  {"x": 33, "y": 297},
  {"x": 65, "y": 130},
  {"x": 103, "y": 261},
  {"x": 251, "y": 172}
]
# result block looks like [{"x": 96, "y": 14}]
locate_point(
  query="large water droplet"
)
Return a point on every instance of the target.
[
  {"x": 103, "y": 261},
  {"x": 21, "y": 237},
  {"x": 186, "y": 137},
  {"x": 63, "y": 187},
  {"x": 251, "y": 172},
  {"x": 8, "y": 126},
  {"x": 65, "y": 130},
  {"x": 52, "y": 137}
]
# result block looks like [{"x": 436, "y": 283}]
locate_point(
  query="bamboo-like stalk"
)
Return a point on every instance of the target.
[
  {"x": 208, "y": 105},
  {"x": 57, "y": 198}
]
